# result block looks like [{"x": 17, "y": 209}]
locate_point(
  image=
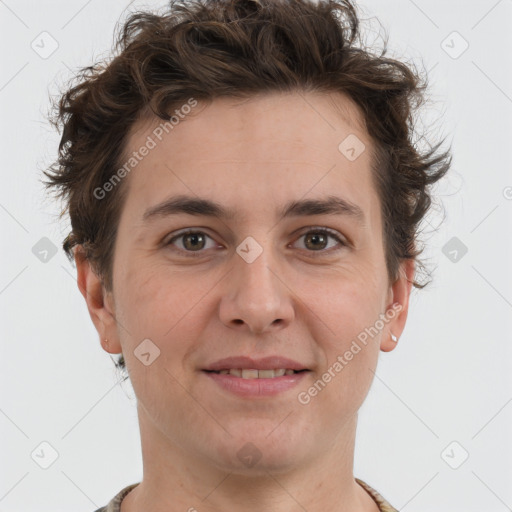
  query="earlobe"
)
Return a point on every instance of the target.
[
  {"x": 398, "y": 309},
  {"x": 102, "y": 316}
]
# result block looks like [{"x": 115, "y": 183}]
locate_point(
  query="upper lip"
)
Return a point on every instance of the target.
[{"x": 266, "y": 363}]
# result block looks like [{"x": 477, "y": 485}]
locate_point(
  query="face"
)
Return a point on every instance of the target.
[{"x": 258, "y": 283}]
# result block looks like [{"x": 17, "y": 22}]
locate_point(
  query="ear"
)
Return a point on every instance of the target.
[
  {"x": 99, "y": 303},
  {"x": 398, "y": 301}
]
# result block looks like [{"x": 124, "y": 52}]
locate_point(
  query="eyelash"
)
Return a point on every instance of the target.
[{"x": 311, "y": 229}]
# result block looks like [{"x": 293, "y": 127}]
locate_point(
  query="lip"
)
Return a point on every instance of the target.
[
  {"x": 255, "y": 388},
  {"x": 247, "y": 363}
]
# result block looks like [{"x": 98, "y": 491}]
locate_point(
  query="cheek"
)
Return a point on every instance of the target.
[
  {"x": 154, "y": 296},
  {"x": 347, "y": 312},
  {"x": 167, "y": 308},
  {"x": 347, "y": 301}
]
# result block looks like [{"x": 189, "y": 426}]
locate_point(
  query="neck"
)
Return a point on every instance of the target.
[{"x": 176, "y": 480}]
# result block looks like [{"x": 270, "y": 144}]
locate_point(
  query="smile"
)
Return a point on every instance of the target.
[
  {"x": 257, "y": 374},
  {"x": 256, "y": 384}
]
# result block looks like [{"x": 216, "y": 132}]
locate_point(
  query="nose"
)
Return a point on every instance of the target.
[{"x": 256, "y": 297}]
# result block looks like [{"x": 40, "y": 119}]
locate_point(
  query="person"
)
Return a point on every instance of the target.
[{"x": 245, "y": 191}]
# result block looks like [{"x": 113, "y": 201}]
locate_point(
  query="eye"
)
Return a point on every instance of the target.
[
  {"x": 191, "y": 241},
  {"x": 316, "y": 239}
]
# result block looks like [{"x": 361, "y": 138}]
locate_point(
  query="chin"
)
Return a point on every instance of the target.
[{"x": 255, "y": 453}]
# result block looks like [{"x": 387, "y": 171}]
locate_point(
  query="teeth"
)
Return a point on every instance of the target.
[
  {"x": 264, "y": 374},
  {"x": 249, "y": 374},
  {"x": 257, "y": 374}
]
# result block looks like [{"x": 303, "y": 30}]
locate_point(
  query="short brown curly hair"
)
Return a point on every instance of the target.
[{"x": 208, "y": 49}]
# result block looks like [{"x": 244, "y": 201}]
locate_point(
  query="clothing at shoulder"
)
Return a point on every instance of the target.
[
  {"x": 115, "y": 504},
  {"x": 384, "y": 506}
]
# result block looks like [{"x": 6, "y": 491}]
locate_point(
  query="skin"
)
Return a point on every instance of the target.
[{"x": 294, "y": 300}]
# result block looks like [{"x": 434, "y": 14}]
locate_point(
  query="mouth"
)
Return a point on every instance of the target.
[
  {"x": 253, "y": 373},
  {"x": 255, "y": 378}
]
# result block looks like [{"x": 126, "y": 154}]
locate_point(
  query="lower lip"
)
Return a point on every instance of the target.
[{"x": 256, "y": 387}]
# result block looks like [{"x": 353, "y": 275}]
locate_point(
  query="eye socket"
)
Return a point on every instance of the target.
[
  {"x": 326, "y": 233},
  {"x": 197, "y": 237}
]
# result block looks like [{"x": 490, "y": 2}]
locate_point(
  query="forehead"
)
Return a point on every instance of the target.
[
  {"x": 310, "y": 118},
  {"x": 269, "y": 148}
]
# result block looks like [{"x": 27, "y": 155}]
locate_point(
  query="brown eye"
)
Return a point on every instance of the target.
[
  {"x": 317, "y": 240},
  {"x": 191, "y": 241}
]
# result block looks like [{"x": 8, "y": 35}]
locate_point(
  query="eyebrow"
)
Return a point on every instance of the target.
[{"x": 331, "y": 205}]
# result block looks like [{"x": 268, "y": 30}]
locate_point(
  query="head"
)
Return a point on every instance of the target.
[{"x": 254, "y": 106}]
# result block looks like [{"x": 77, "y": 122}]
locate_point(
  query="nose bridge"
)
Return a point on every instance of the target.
[
  {"x": 255, "y": 296},
  {"x": 257, "y": 276}
]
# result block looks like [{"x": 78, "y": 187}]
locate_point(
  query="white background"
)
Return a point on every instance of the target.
[{"x": 448, "y": 380}]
